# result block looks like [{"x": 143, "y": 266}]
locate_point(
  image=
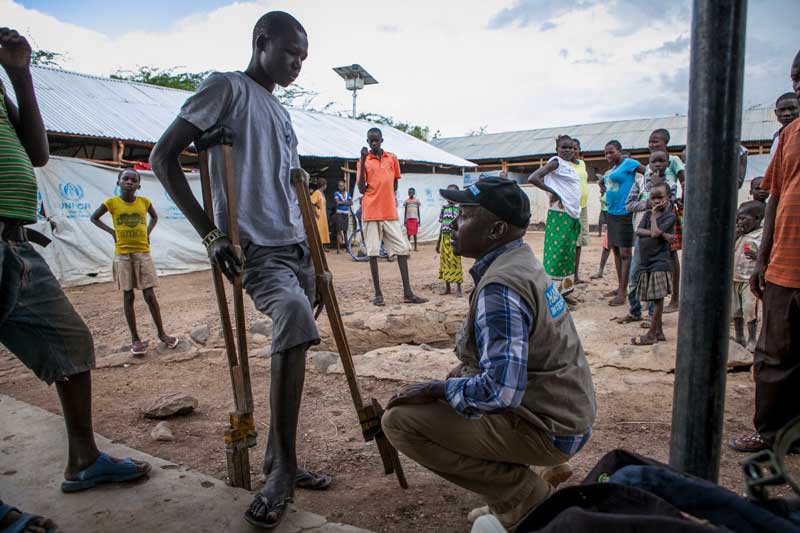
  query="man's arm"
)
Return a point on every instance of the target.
[
  {"x": 99, "y": 212},
  {"x": 153, "y": 219},
  {"x": 758, "y": 281},
  {"x": 15, "y": 56},
  {"x": 633, "y": 204},
  {"x": 165, "y": 161},
  {"x": 361, "y": 182}
]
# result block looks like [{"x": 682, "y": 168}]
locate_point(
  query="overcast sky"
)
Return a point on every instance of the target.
[{"x": 453, "y": 65}]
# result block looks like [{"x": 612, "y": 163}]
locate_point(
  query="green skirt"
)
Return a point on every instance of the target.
[
  {"x": 560, "y": 238},
  {"x": 449, "y": 263}
]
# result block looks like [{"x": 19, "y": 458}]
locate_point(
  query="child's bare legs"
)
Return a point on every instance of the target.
[
  {"x": 603, "y": 260},
  {"x": 446, "y": 288},
  {"x": 155, "y": 311},
  {"x": 415, "y": 244},
  {"x": 130, "y": 315},
  {"x": 578, "y": 265},
  {"x": 738, "y": 328},
  {"x": 376, "y": 280},
  {"x": 675, "y": 302},
  {"x": 459, "y": 292},
  {"x": 656, "y": 330},
  {"x": 622, "y": 263},
  {"x": 752, "y": 335}
]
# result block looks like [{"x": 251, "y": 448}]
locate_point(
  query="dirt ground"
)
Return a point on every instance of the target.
[{"x": 634, "y": 404}]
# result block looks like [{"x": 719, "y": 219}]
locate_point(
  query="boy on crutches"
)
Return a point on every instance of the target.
[{"x": 277, "y": 271}]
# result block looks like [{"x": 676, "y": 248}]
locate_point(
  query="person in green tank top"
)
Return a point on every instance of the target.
[{"x": 37, "y": 322}]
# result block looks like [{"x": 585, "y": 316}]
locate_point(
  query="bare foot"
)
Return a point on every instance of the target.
[
  {"x": 671, "y": 308},
  {"x": 617, "y": 301},
  {"x": 443, "y": 292},
  {"x": 609, "y": 294},
  {"x": 596, "y": 275}
]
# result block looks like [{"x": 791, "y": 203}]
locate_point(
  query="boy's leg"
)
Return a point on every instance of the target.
[
  {"x": 675, "y": 302},
  {"x": 656, "y": 324},
  {"x": 752, "y": 335},
  {"x": 459, "y": 292},
  {"x": 280, "y": 282},
  {"x": 738, "y": 328},
  {"x": 128, "y": 297},
  {"x": 446, "y": 288},
  {"x": 603, "y": 260},
  {"x": 578, "y": 265},
  {"x": 634, "y": 305},
  {"x": 40, "y": 326},
  {"x": 149, "y": 295},
  {"x": 398, "y": 245},
  {"x": 373, "y": 236}
]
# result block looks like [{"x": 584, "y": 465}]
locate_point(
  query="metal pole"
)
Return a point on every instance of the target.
[
  {"x": 715, "y": 113},
  {"x": 355, "y": 93}
]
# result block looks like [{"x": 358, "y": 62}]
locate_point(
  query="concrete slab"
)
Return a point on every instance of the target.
[{"x": 173, "y": 499}]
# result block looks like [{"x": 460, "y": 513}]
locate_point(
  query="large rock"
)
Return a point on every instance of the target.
[
  {"x": 377, "y": 327},
  {"x": 402, "y": 363},
  {"x": 262, "y": 327},
  {"x": 200, "y": 335},
  {"x": 176, "y": 403},
  {"x": 322, "y": 361},
  {"x": 738, "y": 356},
  {"x": 162, "y": 432}
]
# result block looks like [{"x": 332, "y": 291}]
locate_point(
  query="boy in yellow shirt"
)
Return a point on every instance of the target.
[{"x": 133, "y": 267}]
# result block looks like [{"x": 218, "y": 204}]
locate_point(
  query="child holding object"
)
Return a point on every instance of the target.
[
  {"x": 655, "y": 270},
  {"x": 133, "y": 267},
  {"x": 748, "y": 241},
  {"x": 450, "y": 270}
]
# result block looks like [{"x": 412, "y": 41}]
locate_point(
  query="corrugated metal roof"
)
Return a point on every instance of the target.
[
  {"x": 758, "y": 124},
  {"x": 92, "y": 106}
]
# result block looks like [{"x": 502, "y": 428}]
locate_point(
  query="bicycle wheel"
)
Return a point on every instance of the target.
[{"x": 357, "y": 246}]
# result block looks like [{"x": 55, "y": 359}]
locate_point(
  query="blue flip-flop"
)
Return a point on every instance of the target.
[
  {"x": 104, "y": 470},
  {"x": 20, "y": 523}
]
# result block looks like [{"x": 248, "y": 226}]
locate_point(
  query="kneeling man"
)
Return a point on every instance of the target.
[{"x": 522, "y": 395}]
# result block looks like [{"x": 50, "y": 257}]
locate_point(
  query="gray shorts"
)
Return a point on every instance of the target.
[
  {"x": 37, "y": 322},
  {"x": 281, "y": 282}
]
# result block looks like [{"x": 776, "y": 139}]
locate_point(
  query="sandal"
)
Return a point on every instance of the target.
[
  {"x": 627, "y": 319},
  {"x": 106, "y": 470},
  {"x": 138, "y": 348},
  {"x": 306, "y": 479},
  {"x": 266, "y": 515},
  {"x": 749, "y": 443},
  {"x": 24, "y": 520},
  {"x": 643, "y": 340},
  {"x": 171, "y": 342}
]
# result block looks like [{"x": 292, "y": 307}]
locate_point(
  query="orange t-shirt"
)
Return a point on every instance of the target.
[
  {"x": 379, "y": 202},
  {"x": 783, "y": 179}
]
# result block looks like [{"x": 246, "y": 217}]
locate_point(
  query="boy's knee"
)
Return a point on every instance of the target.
[
  {"x": 149, "y": 295},
  {"x": 128, "y": 296}
]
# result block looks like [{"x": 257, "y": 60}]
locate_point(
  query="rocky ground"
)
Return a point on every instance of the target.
[{"x": 393, "y": 345}]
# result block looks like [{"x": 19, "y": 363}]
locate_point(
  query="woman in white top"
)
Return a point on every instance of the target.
[{"x": 561, "y": 181}]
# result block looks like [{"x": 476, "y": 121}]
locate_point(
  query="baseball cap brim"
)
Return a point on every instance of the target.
[{"x": 458, "y": 197}]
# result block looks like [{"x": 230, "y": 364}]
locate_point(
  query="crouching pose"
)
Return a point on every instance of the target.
[{"x": 522, "y": 395}]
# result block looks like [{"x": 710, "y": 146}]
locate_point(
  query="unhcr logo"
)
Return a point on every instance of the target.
[{"x": 72, "y": 192}]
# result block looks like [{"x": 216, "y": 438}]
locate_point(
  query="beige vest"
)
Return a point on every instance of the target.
[{"x": 559, "y": 397}]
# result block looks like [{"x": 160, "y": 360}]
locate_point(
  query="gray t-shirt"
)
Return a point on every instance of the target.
[{"x": 264, "y": 149}]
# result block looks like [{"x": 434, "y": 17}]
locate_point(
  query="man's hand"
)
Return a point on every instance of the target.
[
  {"x": 364, "y": 153},
  {"x": 456, "y": 371},
  {"x": 555, "y": 199},
  {"x": 15, "y": 52},
  {"x": 222, "y": 253},
  {"x": 758, "y": 281},
  {"x": 419, "y": 394}
]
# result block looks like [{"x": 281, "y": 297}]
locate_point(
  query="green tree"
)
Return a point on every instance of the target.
[
  {"x": 164, "y": 77},
  {"x": 415, "y": 130},
  {"x": 47, "y": 58}
]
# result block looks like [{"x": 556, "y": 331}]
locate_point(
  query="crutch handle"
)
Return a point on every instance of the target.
[
  {"x": 297, "y": 174},
  {"x": 214, "y": 136}
]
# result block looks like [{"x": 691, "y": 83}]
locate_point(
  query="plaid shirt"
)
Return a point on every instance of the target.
[{"x": 503, "y": 324}]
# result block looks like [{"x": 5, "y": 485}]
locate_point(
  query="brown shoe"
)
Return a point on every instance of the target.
[{"x": 749, "y": 443}]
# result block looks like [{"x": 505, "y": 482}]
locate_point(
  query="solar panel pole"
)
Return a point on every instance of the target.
[{"x": 715, "y": 114}]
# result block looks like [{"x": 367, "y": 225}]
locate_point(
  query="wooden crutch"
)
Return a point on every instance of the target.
[
  {"x": 369, "y": 415},
  {"x": 241, "y": 432}
]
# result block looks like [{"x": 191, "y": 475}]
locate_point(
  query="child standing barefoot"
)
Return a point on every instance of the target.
[
  {"x": 449, "y": 263},
  {"x": 655, "y": 274},
  {"x": 748, "y": 241}
]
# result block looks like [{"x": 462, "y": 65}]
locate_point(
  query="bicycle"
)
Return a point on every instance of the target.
[{"x": 357, "y": 245}]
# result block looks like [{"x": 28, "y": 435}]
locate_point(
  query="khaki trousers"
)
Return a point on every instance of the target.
[{"x": 490, "y": 455}]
